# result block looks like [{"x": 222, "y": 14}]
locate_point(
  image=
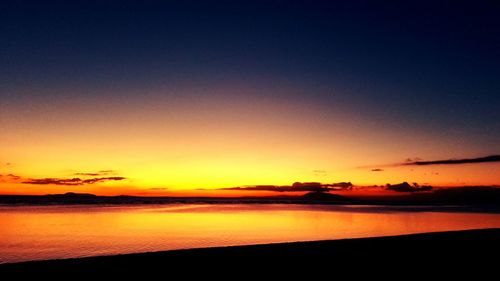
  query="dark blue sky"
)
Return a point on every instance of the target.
[{"x": 432, "y": 67}]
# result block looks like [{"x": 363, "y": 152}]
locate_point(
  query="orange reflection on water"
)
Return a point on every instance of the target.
[{"x": 32, "y": 233}]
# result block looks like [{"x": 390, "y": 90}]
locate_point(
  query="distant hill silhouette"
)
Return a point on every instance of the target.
[{"x": 480, "y": 196}]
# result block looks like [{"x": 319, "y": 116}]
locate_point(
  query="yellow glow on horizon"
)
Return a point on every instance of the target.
[{"x": 171, "y": 145}]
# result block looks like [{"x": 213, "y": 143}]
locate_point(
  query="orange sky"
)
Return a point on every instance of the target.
[
  {"x": 174, "y": 145},
  {"x": 170, "y": 98}
]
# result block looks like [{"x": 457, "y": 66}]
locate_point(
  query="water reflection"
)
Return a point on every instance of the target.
[{"x": 32, "y": 233}]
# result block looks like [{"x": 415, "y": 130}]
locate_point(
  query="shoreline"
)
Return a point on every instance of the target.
[{"x": 459, "y": 247}]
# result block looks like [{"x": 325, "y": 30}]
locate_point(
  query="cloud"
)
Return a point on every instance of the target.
[
  {"x": 297, "y": 187},
  {"x": 320, "y": 173},
  {"x": 9, "y": 178},
  {"x": 95, "y": 174},
  {"x": 14, "y": 177},
  {"x": 94, "y": 180},
  {"x": 285, "y": 188},
  {"x": 158, "y": 188},
  {"x": 377, "y": 170},
  {"x": 486, "y": 159},
  {"x": 56, "y": 181},
  {"x": 72, "y": 181},
  {"x": 5, "y": 163},
  {"x": 419, "y": 162},
  {"x": 342, "y": 185},
  {"x": 406, "y": 187}
]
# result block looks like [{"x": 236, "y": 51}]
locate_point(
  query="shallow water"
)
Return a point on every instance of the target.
[{"x": 52, "y": 232}]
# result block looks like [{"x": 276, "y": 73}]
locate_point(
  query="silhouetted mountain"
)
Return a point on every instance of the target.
[
  {"x": 478, "y": 196},
  {"x": 77, "y": 198}
]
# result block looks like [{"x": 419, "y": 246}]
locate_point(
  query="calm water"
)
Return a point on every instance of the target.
[{"x": 49, "y": 232}]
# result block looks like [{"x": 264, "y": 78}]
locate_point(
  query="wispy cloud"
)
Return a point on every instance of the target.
[
  {"x": 87, "y": 174},
  {"x": 14, "y": 177},
  {"x": 95, "y": 174},
  {"x": 320, "y": 173},
  {"x": 486, "y": 159},
  {"x": 9, "y": 178},
  {"x": 419, "y": 162},
  {"x": 71, "y": 181},
  {"x": 56, "y": 181},
  {"x": 83, "y": 178},
  {"x": 95, "y": 180}
]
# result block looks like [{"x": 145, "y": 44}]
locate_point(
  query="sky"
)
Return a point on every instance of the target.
[{"x": 152, "y": 98}]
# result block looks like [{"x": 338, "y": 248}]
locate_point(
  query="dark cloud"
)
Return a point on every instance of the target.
[
  {"x": 297, "y": 187},
  {"x": 377, "y": 170},
  {"x": 406, "y": 187},
  {"x": 56, "y": 181},
  {"x": 94, "y": 180},
  {"x": 340, "y": 185},
  {"x": 64, "y": 181},
  {"x": 72, "y": 181},
  {"x": 491, "y": 158}
]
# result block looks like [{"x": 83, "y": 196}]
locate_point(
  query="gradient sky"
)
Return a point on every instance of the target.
[{"x": 184, "y": 95}]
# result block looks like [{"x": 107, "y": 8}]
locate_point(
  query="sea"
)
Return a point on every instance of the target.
[{"x": 68, "y": 231}]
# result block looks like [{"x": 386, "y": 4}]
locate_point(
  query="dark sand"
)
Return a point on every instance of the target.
[{"x": 473, "y": 251}]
